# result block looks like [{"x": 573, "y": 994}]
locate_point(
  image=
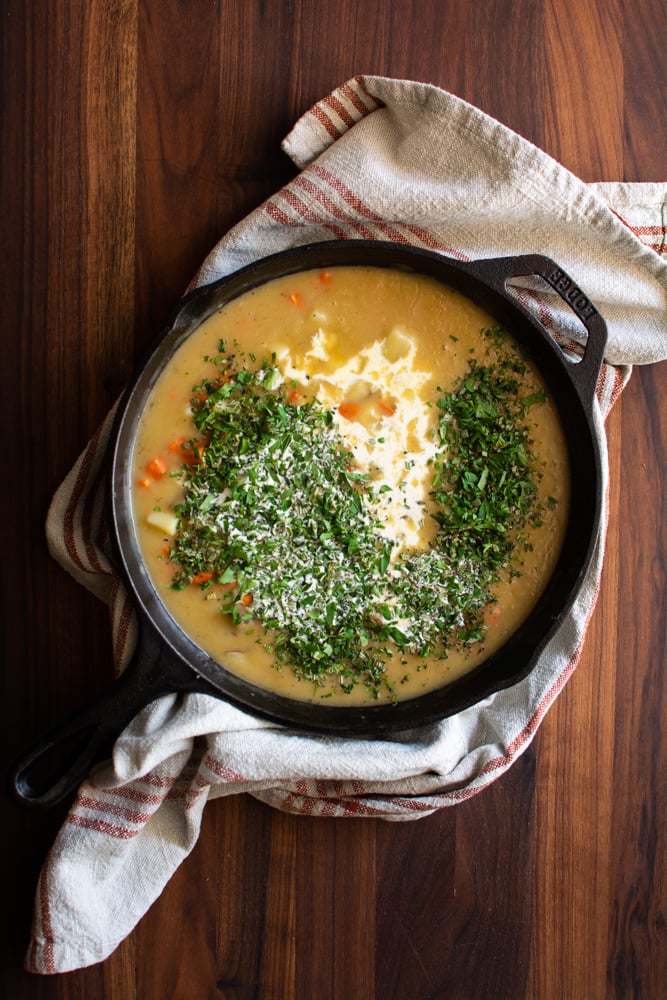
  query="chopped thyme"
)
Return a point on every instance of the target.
[{"x": 279, "y": 525}]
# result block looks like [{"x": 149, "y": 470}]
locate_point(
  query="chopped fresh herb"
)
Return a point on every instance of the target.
[
  {"x": 275, "y": 517},
  {"x": 533, "y": 398}
]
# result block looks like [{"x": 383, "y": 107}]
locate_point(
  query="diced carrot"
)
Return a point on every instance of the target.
[
  {"x": 325, "y": 277},
  {"x": 176, "y": 445},
  {"x": 156, "y": 467},
  {"x": 194, "y": 455},
  {"x": 294, "y": 396},
  {"x": 166, "y": 551},
  {"x": 295, "y": 298},
  {"x": 199, "y": 578},
  {"x": 246, "y": 600},
  {"x": 349, "y": 410},
  {"x": 492, "y": 613},
  {"x": 387, "y": 406},
  {"x": 146, "y": 483}
]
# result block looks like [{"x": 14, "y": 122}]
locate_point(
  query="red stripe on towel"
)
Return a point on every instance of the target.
[
  {"x": 83, "y": 487},
  {"x": 323, "y": 118},
  {"x": 355, "y": 100},
  {"x": 300, "y": 207},
  {"x": 339, "y": 108},
  {"x": 354, "y": 201},
  {"x": 114, "y": 809},
  {"x": 100, "y": 826}
]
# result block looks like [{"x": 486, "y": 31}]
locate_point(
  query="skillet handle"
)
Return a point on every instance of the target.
[
  {"x": 58, "y": 763},
  {"x": 584, "y": 373}
]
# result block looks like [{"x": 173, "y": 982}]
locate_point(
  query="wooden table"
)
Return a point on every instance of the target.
[{"x": 135, "y": 133}]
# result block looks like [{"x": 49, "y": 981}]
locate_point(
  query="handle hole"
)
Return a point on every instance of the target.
[
  {"x": 548, "y": 308},
  {"x": 38, "y": 776}
]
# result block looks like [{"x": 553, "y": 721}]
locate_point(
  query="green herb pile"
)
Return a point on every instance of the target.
[{"x": 276, "y": 517}]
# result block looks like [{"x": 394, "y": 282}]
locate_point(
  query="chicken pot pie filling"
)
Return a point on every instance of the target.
[{"x": 350, "y": 485}]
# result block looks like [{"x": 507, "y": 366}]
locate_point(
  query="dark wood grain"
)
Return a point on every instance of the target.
[{"x": 133, "y": 135}]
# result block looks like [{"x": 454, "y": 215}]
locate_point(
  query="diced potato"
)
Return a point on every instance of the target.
[
  {"x": 358, "y": 391},
  {"x": 397, "y": 345},
  {"x": 164, "y": 522}
]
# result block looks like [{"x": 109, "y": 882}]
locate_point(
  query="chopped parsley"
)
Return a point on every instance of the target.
[{"x": 277, "y": 519}]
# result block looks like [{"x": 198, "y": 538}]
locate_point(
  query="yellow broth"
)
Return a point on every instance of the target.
[{"x": 374, "y": 346}]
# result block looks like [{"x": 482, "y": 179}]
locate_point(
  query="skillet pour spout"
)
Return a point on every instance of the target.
[{"x": 167, "y": 660}]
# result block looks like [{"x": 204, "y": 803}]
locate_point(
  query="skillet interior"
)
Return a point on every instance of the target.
[{"x": 480, "y": 282}]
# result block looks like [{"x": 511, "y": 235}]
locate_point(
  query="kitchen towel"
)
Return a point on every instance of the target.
[{"x": 377, "y": 159}]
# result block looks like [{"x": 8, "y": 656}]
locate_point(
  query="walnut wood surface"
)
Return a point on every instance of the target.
[{"x": 134, "y": 134}]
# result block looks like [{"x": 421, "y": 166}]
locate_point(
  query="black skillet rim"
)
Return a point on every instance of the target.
[{"x": 518, "y": 656}]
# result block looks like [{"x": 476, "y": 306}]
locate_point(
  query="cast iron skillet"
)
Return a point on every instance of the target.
[{"x": 167, "y": 660}]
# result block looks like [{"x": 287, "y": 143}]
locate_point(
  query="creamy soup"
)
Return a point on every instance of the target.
[{"x": 350, "y": 485}]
